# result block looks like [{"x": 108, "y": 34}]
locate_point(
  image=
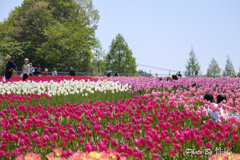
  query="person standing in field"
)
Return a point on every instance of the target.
[
  {"x": 109, "y": 75},
  {"x": 54, "y": 73},
  {"x": 26, "y": 69},
  {"x": 196, "y": 74},
  {"x": 37, "y": 70},
  {"x": 9, "y": 67},
  {"x": 45, "y": 72},
  {"x": 179, "y": 74},
  {"x": 116, "y": 73},
  {"x": 32, "y": 70},
  {"x": 72, "y": 72}
]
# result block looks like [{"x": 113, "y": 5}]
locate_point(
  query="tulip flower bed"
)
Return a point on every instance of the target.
[
  {"x": 138, "y": 118},
  {"x": 54, "y": 78},
  {"x": 108, "y": 155},
  {"x": 64, "y": 87}
]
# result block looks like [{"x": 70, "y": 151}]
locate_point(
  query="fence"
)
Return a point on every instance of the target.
[
  {"x": 18, "y": 73},
  {"x": 84, "y": 74}
]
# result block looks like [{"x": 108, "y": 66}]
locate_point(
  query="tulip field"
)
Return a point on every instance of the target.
[{"x": 118, "y": 118}]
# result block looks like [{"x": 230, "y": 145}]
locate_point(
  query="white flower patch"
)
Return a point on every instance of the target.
[{"x": 65, "y": 87}]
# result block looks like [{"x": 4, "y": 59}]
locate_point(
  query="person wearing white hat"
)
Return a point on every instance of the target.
[
  {"x": 45, "y": 72},
  {"x": 26, "y": 69}
]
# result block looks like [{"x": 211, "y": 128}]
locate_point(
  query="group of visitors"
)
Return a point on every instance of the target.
[
  {"x": 175, "y": 77},
  {"x": 216, "y": 116},
  {"x": 116, "y": 74},
  {"x": 29, "y": 70}
]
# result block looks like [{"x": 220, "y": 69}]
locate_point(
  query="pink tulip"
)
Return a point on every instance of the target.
[
  {"x": 156, "y": 156},
  {"x": 208, "y": 145},
  {"x": 167, "y": 140},
  {"x": 235, "y": 138},
  {"x": 113, "y": 142}
]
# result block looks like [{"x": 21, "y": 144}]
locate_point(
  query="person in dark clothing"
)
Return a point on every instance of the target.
[
  {"x": 37, "y": 70},
  {"x": 179, "y": 74},
  {"x": 116, "y": 73},
  {"x": 194, "y": 85},
  {"x": 109, "y": 75},
  {"x": 174, "y": 77},
  {"x": 10, "y": 66},
  {"x": 72, "y": 72}
]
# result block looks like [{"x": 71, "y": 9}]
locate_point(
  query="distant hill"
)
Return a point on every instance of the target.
[{"x": 143, "y": 73}]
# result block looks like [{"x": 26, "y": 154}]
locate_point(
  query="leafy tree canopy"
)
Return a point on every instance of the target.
[
  {"x": 52, "y": 33},
  {"x": 229, "y": 68},
  {"x": 192, "y": 64},
  {"x": 120, "y": 56},
  {"x": 213, "y": 70}
]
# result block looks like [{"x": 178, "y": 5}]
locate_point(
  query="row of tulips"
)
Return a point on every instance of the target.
[
  {"x": 145, "y": 85},
  {"x": 138, "y": 84},
  {"x": 109, "y": 155},
  {"x": 58, "y": 154},
  {"x": 65, "y": 87}
]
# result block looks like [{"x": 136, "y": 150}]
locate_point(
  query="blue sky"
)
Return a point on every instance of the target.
[{"x": 161, "y": 33}]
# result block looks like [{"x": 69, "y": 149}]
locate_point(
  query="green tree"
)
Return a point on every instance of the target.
[
  {"x": 3, "y": 67},
  {"x": 229, "y": 68},
  {"x": 63, "y": 49},
  {"x": 28, "y": 27},
  {"x": 120, "y": 56},
  {"x": 8, "y": 45},
  {"x": 144, "y": 73},
  {"x": 52, "y": 33},
  {"x": 98, "y": 59},
  {"x": 213, "y": 70},
  {"x": 192, "y": 64}
]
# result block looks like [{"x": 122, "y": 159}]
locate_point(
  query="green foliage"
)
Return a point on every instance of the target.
[
  {"x": 3, "y": 68},
  {"x": 192, "y": 64},
  {"x": 98, "y": 59},
  {"x": 120, "y": 56},
  {"x": 144, "y": 74},
  {"x": 9, "y": 46},
  {"x": 229, "y": 68},
  {"x": 52, "y": 33},
  {"x": 213, "y": 70}
]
